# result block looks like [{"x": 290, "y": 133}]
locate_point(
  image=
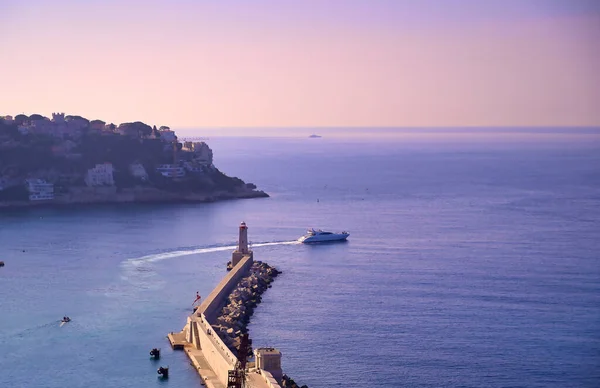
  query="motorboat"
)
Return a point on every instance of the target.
[
  {"x": 64, "y": 321},
  {"x": 315, "y": 236}
]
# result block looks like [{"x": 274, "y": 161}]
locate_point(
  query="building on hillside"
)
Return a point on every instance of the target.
[
  {"x": 76, "y": 124},
  {"x": 193, "y": 167},
  {"x": 39, "y": 190},
  {"x": 167, "y": 135},
  {"x": 101, "y": 175},
  {"x": 58, "y": 117},
  {"x": 170, "y": 171},
  {"x": 97, "y": 125},
  {"x": 38, "y": 127},
  {"x": 109, "y": 129},
  {"x": 57, "y": 127},
  {"x": 138, "y": 171},
  {"x": 202, "y": 152}
]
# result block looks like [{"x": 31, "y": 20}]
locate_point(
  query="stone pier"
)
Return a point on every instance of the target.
[{"x": 207, "y": 352}]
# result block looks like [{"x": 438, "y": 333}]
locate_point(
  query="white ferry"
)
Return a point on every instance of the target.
[{"x": 314, "y": 236}]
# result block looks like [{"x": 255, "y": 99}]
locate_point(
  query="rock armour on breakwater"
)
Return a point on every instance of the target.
[
  {"x": 288, "y": 382},
  {"x": 233, "y": 319}
]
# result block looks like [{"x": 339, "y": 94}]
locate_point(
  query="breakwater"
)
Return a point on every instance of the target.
[
  {"x": 234, "y": 317},
  {"x": 212, "y": 335}
]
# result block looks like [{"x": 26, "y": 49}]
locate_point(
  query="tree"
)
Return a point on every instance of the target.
[
  {"x": 19, "y": 119},
  {"x": 144, "y": 130},
  {"x": 36, "y": 116},
  {"x": 136, "y": 130},
  {"x": 71, "y": 117}
]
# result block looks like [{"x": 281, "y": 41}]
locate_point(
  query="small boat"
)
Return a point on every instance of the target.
[
  {"x": 315, "y": 236},
  {"x": 155, "y": 353},
  {"x": 64, "y": 320},
  {"x": 163, "y": 372}
]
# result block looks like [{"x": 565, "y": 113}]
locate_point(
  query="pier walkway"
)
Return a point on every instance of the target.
[{"x": 209, "y": 355}]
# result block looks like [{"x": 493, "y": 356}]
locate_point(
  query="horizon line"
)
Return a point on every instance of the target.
[{"x": 392, "y": 127}]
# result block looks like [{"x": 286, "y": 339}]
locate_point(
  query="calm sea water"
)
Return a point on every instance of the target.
[{"x": 470, "y": 264}]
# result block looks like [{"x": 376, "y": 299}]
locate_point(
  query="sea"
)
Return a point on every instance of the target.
[{"x": 473, "y": 261}]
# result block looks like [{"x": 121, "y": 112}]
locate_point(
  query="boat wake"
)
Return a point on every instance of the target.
[
  {"x": 26, "y": 332},
  {"x": 139, "y": 261}
]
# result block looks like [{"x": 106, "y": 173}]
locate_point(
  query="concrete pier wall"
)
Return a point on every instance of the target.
[
  {"x": 216, "y": 299},
  {"x": 201, "y": 334},
  {"x": 207, "y": 352},
  {"x": 269, "y": 379},
  {"x": 218, "y": 356}
]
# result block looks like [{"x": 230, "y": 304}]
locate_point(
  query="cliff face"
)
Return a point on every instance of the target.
[{"x": 82, "y": 161}]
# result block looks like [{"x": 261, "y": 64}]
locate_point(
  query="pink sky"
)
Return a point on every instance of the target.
[{"x": 281, "y": 63}]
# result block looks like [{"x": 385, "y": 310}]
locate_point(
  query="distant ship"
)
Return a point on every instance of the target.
[
  {"x": 313, "y": 136},
  {"x": 314, "y": 236}
]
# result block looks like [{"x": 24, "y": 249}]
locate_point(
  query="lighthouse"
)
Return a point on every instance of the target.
[
  {"x": 242, "y": 248},
  {"x": 243, "y": 239}
]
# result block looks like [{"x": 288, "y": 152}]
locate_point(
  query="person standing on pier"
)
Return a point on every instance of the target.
[{"x": 198, "y": 297}]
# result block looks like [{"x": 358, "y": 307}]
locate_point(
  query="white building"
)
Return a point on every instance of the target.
[
  {"x": 138, "y": 171},
  {"x": 171, "y": 171},
  {"x": 101, "y": 175},
  {"x": 269, "y": 359},
  {"x": 39, "y": 190}
]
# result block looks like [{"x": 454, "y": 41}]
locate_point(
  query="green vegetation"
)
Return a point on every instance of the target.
[
  {"x": 62, "y": 156},
  {"x": 14, "y": 193}
]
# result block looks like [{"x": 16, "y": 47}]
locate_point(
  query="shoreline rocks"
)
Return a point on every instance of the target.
[
  {"x": 288, "y": 382},
  {"x": 127, "y": 196},
  {"x": 234, "y": 317}
]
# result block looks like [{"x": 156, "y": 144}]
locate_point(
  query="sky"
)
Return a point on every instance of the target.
[{"x": 304, "y": 63}]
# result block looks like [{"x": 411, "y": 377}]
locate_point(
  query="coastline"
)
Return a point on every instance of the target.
[{"x": 85, "y": 196}]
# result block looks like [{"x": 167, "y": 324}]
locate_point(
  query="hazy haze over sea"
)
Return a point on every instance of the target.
[
  {"x": 431, "y": 134},
  {"x": 472, "y": 262}
]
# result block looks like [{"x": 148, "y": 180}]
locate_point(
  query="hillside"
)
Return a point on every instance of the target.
[{"x": 70, "y": 159}]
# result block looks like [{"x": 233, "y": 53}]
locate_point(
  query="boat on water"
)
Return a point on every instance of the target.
[
  {"x": 315, "y": 236},
  {"x": 64, "y": 320}
]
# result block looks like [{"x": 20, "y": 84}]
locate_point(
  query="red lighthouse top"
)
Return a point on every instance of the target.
[{"x": 243, "y": 225}]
